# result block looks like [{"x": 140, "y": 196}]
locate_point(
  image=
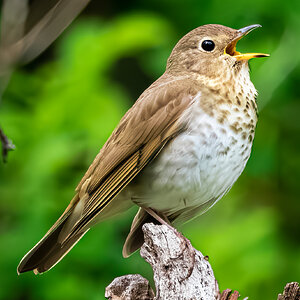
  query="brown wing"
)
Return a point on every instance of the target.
[
  {"x": 142, "y": 133},
  {"x": 144, "y": 130}
]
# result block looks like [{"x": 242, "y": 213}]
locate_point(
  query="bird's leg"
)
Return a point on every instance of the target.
[
  {"x": 191, "y": 251},
  {"x": 161, "y": 218}
]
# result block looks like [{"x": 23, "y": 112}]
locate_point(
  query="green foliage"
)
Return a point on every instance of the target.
[
  {"x": 59, "y": 116},
  {"x": 60, "y": 113}
]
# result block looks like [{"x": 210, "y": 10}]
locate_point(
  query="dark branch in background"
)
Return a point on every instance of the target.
[
  {"x": 178, "y": 272},
  {"x": 7, "y": 145},
  {"x": 26, "y": 31}
]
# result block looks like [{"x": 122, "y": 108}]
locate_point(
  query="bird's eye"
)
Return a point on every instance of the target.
[{"x": 208, "y": 45}]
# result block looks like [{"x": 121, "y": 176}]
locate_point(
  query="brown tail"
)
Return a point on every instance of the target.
[
  {"x": 50, "y": 250},
  {"x": 135, "y": 238}
]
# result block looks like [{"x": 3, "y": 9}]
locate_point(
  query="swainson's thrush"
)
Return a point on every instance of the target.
[{"x": 175, "y": 153}]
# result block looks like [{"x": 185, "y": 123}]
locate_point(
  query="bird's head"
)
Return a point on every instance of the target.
[{"x": 210, "y": 50}]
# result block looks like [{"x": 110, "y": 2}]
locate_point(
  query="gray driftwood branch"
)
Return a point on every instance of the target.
[
  {"x": 180, "y": 272},
  {"x": 291, "y": 292}
]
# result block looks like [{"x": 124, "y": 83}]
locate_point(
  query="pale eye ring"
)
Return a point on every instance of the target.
[{"x": 208, "y": 45}]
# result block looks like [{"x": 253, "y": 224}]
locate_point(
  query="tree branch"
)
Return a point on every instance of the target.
[
  {"x": 129, "y": 287},
  {"x": 291, "y": 292},
  {"x": 7, "y": 145},
  {"x": 180, "y": 272},
  {"x": 178, "y": 268}
]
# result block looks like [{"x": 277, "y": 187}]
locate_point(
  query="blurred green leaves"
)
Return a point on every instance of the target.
[{"x": 59, "y": 116}]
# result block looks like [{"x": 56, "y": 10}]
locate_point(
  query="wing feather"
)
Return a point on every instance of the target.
[{"x": 141, "y": 134}]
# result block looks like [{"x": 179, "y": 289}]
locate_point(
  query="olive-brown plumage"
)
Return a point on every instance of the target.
[{"x": 176, "y": 152}]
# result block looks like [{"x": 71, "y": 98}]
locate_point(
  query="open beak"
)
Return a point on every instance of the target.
[{"x": 231, "y": 47}]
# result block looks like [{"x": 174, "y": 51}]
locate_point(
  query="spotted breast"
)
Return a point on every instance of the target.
[{"x": 198, "y": 167}]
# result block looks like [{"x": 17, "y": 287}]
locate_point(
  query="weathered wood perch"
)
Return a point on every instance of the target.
[{"x": 180, "y": 272}]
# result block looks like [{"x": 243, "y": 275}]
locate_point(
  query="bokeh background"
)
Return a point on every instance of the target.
[{"x": 60, "y": 109}]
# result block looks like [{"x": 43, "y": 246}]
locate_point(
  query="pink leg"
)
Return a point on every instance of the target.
[{"x": 164, "y": 221}]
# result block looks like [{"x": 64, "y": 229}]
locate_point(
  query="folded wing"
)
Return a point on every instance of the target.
[{"x": 141, "y": 134}]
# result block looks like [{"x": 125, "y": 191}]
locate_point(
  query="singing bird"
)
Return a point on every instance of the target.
[{"x": 175, "y": 153}]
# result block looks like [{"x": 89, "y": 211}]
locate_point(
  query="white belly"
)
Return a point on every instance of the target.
[{"x": 199, "y": 166}]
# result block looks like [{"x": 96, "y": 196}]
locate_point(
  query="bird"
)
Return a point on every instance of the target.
[{"x": 176, "y": 152}]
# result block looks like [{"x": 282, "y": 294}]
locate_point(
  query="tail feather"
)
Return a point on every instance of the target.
[
  {"x": 49, "y": 251},
  {"x": 61, "y": 237},
  {"x": 135, "y": 238}
]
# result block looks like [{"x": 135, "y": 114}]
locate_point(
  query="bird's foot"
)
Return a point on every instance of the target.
[
  {"x": 161, "y": 218},
  {"x": 191, "y": 251}
]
